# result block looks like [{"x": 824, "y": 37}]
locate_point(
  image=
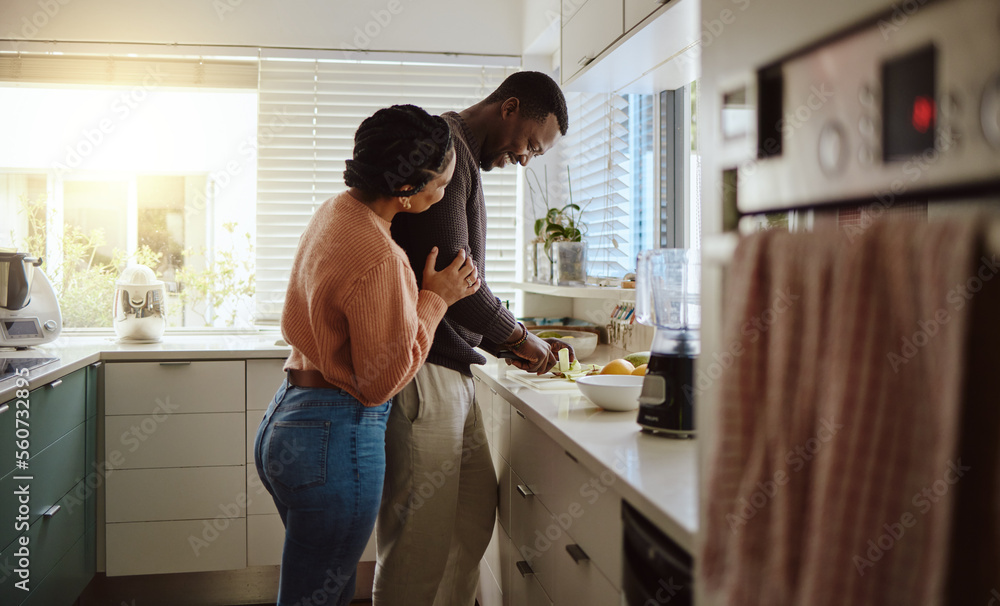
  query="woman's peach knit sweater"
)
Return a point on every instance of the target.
[{"x": 352, "y": 310}]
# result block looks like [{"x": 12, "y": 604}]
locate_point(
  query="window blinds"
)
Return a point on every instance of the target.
[
  {"x": 308, "y": 113},
  {"x": 598, "y": 154},
  {"x": 111, "y": 70}
]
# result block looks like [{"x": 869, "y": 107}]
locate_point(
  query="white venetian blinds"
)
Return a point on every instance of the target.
[
  {"x": 597, "y": 154},
  {"x": 309, "y": 111}
]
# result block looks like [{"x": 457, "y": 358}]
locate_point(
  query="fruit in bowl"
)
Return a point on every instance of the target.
[
  {"x": 584, "y": 343},
  {"x": 612, "y": 392}
]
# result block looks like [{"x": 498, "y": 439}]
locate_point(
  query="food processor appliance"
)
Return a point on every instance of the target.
[
  {"x": 139, "y": 314},
  {"x": 29, "y": 310},
  {"x": 667, "y": 289}
]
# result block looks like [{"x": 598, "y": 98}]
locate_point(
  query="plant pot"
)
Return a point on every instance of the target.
[
  {"x": 539, "y": 264},
  {"x": 570, "y": 263}
]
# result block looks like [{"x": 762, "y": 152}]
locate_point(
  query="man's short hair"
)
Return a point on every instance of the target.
[{"x": 538, "y": 96}]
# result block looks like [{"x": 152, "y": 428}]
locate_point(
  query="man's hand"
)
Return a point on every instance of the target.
[{"x": 540, "y": 355}]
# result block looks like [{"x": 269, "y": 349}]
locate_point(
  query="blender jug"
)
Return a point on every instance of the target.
[{"x": 667, "y": 299}]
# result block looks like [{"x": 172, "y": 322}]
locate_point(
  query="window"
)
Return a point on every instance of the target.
[
  {"x": 309, "y": 111},
  {"x": 634, "y": 171},
  {"x": 117, "y": 160},
  {"x": 205, "y": 169}
]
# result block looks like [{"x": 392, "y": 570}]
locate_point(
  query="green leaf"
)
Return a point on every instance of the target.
[{"x": 538, "y": 226}]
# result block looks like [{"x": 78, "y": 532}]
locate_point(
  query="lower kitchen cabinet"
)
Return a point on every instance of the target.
[
  {"x": 558, "y": 535},
  {"x": 49, "y": 546},
  {"x": 174, "y": 437},
  {"x": 265, "y": 532}
]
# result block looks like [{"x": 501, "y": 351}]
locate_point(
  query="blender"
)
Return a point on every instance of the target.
[{"x": 667, "y": 289}]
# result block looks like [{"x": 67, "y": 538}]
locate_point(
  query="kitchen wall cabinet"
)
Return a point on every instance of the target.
[
  {"x": 586, "y": 32},
  {"x": 637, "y": 10},
  {"x": 176, "y": 493},
  {"x": 630, "y": 46},
  {"x": 558, "y": 534},
  {"x": 61, "y": 514}
]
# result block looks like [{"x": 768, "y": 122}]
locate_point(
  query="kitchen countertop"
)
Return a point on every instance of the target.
[
  {"x": 656, "y": 475},
  {"x": 76, "y": 351}
]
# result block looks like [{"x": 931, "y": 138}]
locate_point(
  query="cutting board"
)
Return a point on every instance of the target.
[{"x": 542, "y": 383}]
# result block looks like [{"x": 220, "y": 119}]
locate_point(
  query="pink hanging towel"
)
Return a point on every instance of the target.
[{"x": 858, "y": 459}]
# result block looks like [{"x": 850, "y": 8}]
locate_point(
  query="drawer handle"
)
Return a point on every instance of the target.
[
  {"x": 520, "y": 414},
  {"x": 175, "y": 363},
  {"x": 524, "y": 490},
  {"x": 584, "y": 60},
  {"x": 578, "y": 554},
  {"x": 54, "y": 384},
  {"x": 524, "y": 568},
  {"x": 4, "y": 408},
  {"x": 96, "y": 364},
  {"x": 51, "y": 511}
]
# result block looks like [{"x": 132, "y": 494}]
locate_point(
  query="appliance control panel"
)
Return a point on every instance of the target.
[{"x": 904, "y": 106}]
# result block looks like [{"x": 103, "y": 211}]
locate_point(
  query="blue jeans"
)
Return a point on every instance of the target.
[{"x": 321, "y": 455}]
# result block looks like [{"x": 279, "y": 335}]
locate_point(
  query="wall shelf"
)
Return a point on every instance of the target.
[{"x": 578, "y": 292}]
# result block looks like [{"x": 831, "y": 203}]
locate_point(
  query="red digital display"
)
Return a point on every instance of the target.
[
  {"x": 923, "y": 114},
  {"x": 909, "y": 109}
]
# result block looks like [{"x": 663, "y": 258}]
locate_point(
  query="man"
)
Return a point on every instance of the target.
[{"x": 440, "y": 494}]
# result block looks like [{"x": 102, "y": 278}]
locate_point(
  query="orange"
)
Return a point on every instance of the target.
[
  {"x": 640, "y": 370},
  {"x": 618, "y": 367}
]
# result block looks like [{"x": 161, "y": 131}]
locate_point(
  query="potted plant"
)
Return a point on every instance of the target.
[{"x": 559, "y": 237}]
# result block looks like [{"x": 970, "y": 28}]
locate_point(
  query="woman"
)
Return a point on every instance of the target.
[{"x": 359, "y": 329}]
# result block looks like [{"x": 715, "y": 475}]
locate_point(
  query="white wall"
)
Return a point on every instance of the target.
[{"x": 460, "y": 26}]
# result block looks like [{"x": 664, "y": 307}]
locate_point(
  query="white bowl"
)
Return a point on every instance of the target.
[
  {"x": 584, "y": 343},
  {"x": 612, "y": 392}
]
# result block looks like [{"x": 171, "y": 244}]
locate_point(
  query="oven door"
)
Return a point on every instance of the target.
[{"x": 655, "y": 570}]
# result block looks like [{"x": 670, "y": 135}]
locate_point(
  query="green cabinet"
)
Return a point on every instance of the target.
[{"x": 51, "y": 536}]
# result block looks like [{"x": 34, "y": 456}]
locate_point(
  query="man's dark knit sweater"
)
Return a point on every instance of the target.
[{"x": 458, "y": 222}]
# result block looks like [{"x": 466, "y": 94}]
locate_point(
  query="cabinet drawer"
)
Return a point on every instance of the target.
[
  {"x": 537, "y": 538},
  {"x": 53, "y": 410},
  {"x": 265, "y": 540},
  {"x": 49, "y": 539},
  {"x": 254, "y": 417},
  {"x": 501, "y": 426},
  {"x": 67, "y": 580},
  {"x": 637, "y": 10},
  {"x": 592, "y": 29},
  {"x": 163, "y": 388},
  {"x": 188, "y": 493},
  {"x": 202, "y": 440},
  {"x": 178, "y": 546},
  {"x": 581, "y": 582},
  {"x": 259, "y": 500},
  {"x": 586, "y": 501},
  {"x": 263, "y": 379},
  {"x": 56, "y": 470},
  {"x": 521, "y": 588}
]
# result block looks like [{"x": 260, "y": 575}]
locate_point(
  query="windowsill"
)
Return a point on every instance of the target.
[
  {"x": 265, "y": 331},
  {"x": 577, "y": 292}
]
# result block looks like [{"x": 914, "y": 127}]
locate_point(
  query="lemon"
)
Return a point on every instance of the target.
[
  {"x": 640, "y": 370},
  {"x": 618, "y": 367}
]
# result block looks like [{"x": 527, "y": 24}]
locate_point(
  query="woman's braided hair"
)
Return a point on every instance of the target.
[{"x": 398, "y": 146}]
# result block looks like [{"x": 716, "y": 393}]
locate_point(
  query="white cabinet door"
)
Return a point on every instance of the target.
[
  {"x": 592, "y": 29},
  {"x": 173, "y": 387},
  {"x": 263, "y": 379},
  {"x": 584, "y": 504},
  {"x": 637, "y": 10},
  {"x": 265, "y": 540},
  {"x": 197, "y": 440},
  {"x": 178, "y": 546},
  {"x": 188, "y": 493}
]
